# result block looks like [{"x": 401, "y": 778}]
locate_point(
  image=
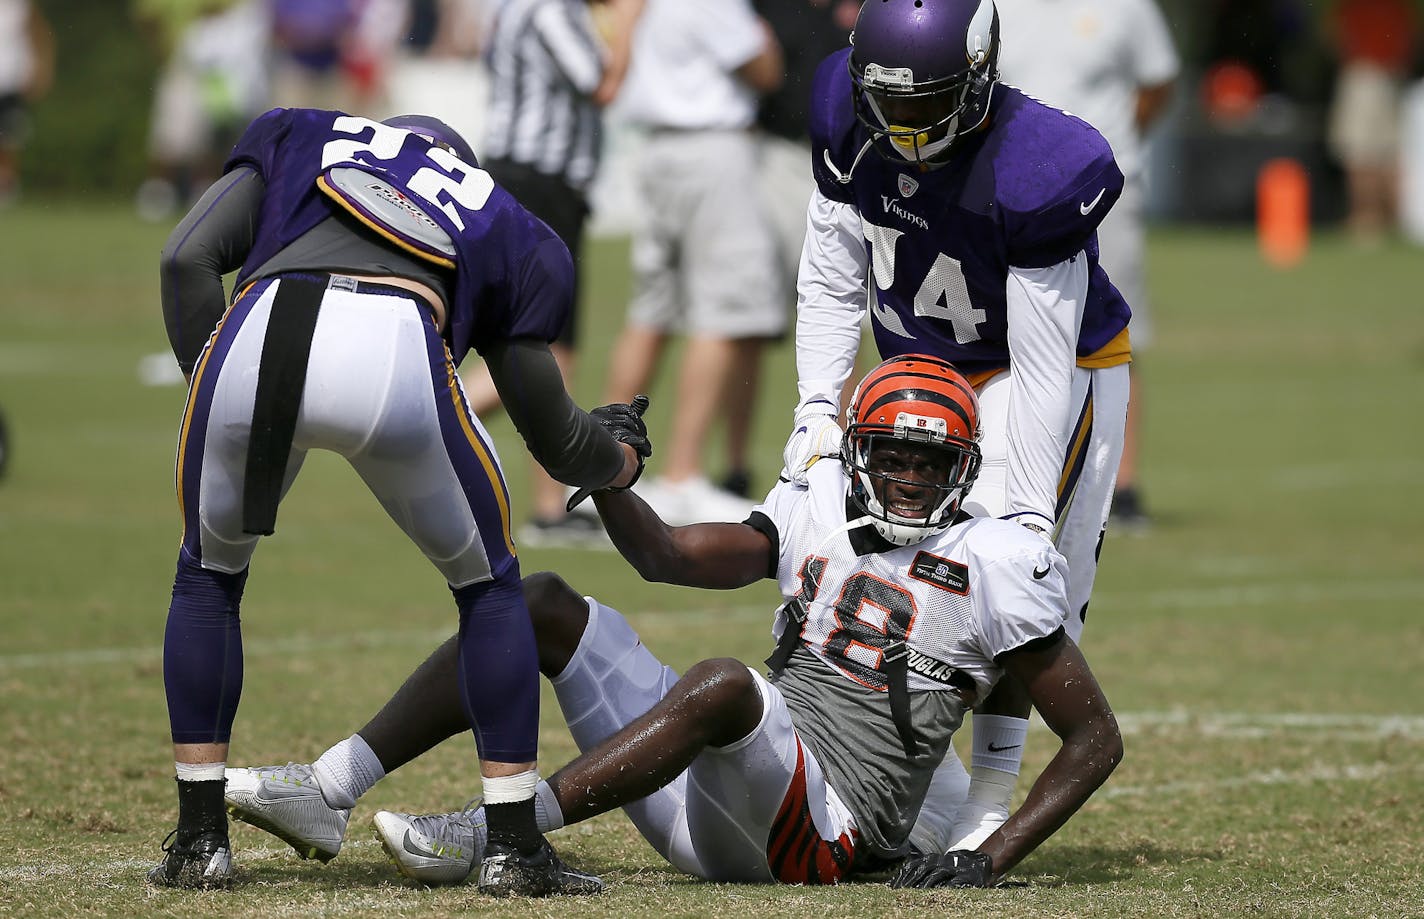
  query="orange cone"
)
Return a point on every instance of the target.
[{"x": 1283, "y": 212}]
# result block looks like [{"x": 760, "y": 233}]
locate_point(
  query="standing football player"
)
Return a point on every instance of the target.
[
  {"x": 371, "y": 258},
  {"x": 900, "y": 614},
  {"x": 968, "y": 212}
]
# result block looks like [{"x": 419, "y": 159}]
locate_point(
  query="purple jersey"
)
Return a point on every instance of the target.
[
  {"x": 513, "y": 276},
  {"x": 1026, "y": 191}
]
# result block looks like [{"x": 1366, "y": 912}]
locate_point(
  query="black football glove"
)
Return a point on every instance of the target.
[
  {"x": 625, "y": 422},
  {"x": 959, "y": 868}
]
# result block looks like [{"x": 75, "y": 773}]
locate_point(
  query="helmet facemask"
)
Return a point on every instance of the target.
[
  {"x": 911, "y": 487},
  {"x": 922, "y": 126},
  {"x": 915, "y": 105},
  {"x": 911, "y": 447}
]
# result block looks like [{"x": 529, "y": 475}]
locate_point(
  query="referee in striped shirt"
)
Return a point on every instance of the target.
[{"x": 552, "y": 69}]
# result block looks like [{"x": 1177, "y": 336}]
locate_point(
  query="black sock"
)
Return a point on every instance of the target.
[
  {"x": 200, "y": 809},
  {"x": 513, "y": 824}
]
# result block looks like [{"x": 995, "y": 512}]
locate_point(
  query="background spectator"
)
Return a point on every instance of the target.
[
  {"x": 807, "y": 30},
  {"x": 213, "y": 83},
  {"x": 1375, "y": 40},
  {"x": 26, "y": 71},
  {"x": 703, "y": 252}
]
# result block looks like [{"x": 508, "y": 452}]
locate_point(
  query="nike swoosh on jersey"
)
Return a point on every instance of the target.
[
  {"x": 1040, "y": 574},
  {"x": 1084, "y": 209}
]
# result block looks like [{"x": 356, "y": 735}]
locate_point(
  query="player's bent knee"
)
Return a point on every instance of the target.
[
  {"x": 559, "y": 614},
  {"x": 726, "y": 694}
]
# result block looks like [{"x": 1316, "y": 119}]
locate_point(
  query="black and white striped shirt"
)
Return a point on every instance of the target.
[{"x": 545, "y": 61}]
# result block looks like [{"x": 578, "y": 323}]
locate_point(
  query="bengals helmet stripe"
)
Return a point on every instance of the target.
[{"x": 915, "y": 378}]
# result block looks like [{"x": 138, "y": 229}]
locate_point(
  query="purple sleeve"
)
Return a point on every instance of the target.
[
  {"x": 1062, "y": 226},
  {"x": 1054, "y": 176},
  {"x": 537, "y": 299},
  {"x": 260, "y": 142}
]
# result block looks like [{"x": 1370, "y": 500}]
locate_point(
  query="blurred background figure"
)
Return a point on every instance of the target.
[
  {"x": 552, "y": 70},
  {"x": 703, "y": 253},
  {"x": 26, "y": 72},
  {"x": 1376, "y": 43},
  {"x": 1113, "y": 64},
  {"x": 437, "y": 67},
  {"x": 328, "y": 53},
  {"x": 808, "y": 31},
  {"x": 214, "y": 82}
]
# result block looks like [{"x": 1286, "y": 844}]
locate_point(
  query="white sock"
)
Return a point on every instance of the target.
[
  {"x": 999, "y": 742},
  {"x": 548, "y": 815},
  {"x": 990, "y": 788},
  {"x": 510, "y": 789},
  {"x": 199, "y": 772},
  {"x": 347, "y": 771},
  {"x": 985, "y": 808}
]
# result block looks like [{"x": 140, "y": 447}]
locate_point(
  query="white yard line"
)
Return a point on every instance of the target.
[{"x": 1350, "y": 773}]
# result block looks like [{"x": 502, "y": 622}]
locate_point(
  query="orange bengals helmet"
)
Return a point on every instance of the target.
[{"x": 924, "y": 418}]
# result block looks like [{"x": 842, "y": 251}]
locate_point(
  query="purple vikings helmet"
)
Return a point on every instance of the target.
[
  {"x": 439, "y": 133},
  {"x": 922, "y": 73}
]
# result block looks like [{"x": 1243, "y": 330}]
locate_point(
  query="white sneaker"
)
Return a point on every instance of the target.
[
  {"x": 433, "y": 848},
  {"x": 286, "y": 801},
  {"x": 694, "y": 500}
]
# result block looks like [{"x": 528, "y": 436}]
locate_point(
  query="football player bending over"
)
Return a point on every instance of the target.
[{"x": 901, "y": 613}]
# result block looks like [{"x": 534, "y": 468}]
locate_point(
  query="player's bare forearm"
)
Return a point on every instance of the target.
[
  {"x": 1064, "y": 786},
  {"x": 712, "y": 555},
  {"x": 1072, "y": 704}
]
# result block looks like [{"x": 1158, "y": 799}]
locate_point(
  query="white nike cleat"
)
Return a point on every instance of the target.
[
  {"x": 286, "y": 801},
  {"x": 433, "y": 848}
]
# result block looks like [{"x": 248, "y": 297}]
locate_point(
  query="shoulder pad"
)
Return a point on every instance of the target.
[
  {"x": 1055, "y": 178},
  {"x": 835, "y": 140},
  {"x": 390, "y": 212}
]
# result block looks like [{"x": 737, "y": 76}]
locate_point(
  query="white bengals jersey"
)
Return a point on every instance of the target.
[{"x": 957, "y": 600}]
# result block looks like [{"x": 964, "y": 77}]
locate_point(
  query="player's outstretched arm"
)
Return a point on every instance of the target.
[{"x": 714, "y": 555}]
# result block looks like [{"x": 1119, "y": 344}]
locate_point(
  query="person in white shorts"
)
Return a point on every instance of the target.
[
  {"x": 900, "y": 612},
  {"x": 703, "y": 253}
]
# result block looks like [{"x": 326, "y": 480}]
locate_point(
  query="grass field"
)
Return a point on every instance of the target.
[{"x": 1263, "y": 645}]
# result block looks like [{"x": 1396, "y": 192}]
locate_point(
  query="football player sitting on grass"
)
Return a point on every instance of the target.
[{"x": 900, "y": 613}]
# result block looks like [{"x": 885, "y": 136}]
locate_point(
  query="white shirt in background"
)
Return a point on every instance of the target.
[{"x": 1089, "y": 57}]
